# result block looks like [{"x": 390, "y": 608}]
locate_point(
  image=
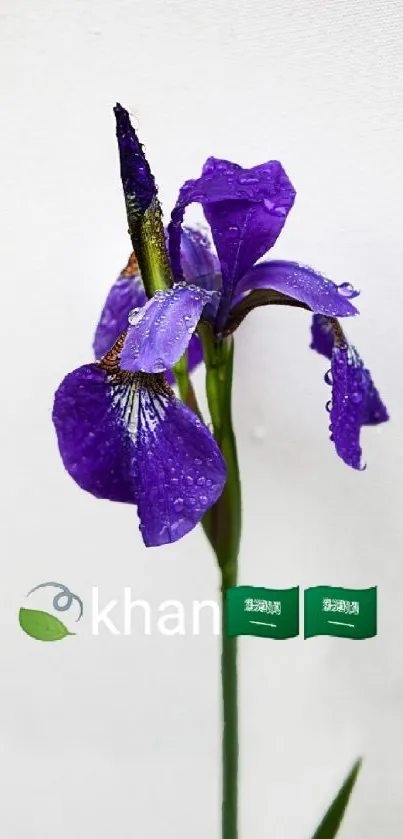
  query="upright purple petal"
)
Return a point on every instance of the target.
[
  {"x": 246, "y": 210},
  {"x": 322, "y": 295},
  {"x": 197, "y": 258},
  {"x": 160, "y": 332},
  {"x": 199, "y": 265},
  {"x": 127, "y": 293},
  {"x": 127, "y": 438}
]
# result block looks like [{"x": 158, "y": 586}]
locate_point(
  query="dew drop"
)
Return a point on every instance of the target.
[
  {"x": 133, "y": 316},
  {"x": 328, "y": 377},
  {"x": 178, "y": 504},
  {"x": 328, "y": 406},
  {"x": 248, "y": 179},
  {"x": 356, "y": 397},
  {"x": 346, "y": 290},
  {"x": 279, "y": 211}
]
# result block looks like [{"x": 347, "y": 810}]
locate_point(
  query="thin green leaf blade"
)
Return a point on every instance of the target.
[
  {"x": 331, "y": 822},
  {"x": 42, "y": 626}
]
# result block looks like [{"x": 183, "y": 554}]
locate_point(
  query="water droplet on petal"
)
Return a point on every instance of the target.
[
  {"x": 356, "y": 397},
  {"x": 328, "y": 406},
  {"x": 328, "y": 377},
  {"x": 248, "y": 179},
  {"x": 178, "y": 505},
  {"x": 346, "y": 290},
  {"x": 133, "y": 316}
]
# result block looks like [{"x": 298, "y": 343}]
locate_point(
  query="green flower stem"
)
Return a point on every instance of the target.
[
  {"x": 224, "y": 531},
  {"x": 185, "y": 386},
  {"x": 226, "y": 512}
]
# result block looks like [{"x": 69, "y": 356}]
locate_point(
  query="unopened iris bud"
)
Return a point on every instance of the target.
[{"x": 142, "y": 206}]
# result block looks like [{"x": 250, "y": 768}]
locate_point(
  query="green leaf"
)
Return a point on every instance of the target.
[
  {"x": 330, "y": 824},
  {"x": 42, "y": 626}
]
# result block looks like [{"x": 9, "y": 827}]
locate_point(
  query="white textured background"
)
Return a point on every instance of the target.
[{"x": 119, "y": 737}]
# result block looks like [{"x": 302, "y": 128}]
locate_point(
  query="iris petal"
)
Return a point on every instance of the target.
[
  {"x": 355, "y": 402},
  {"x": 246, "y": 210},
  {"x": 127, "y": 293},
  {"x": 160, "y": 332},
  {"x": 127, "y": 438},
  {"x": 322, "y": 295},
  {"x": 197, "y": 258},
  {"x": 322, "y": 336}
]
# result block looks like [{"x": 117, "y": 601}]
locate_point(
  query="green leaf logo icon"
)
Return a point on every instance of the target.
[{"x": 42, "y": 626}]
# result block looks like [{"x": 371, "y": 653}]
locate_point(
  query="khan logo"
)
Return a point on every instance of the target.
[{"x": 44, "y": 626}]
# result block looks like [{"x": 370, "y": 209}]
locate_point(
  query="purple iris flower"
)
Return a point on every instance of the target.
[{"x": 122, "y": 433}]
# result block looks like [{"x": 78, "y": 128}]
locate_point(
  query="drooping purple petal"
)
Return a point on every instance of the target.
[
  {"x": 93, "y": 439},
  {"x": 374, "y": 411},
  {"x": 160, "y": 332},
  {"x": 127, "y": 438},
  {"x": 323, "y": 341},
  {"x": 322, "y": 336},
  {"x": 138, "y": 182},
  {"x": 322, "y": 295},
  {"x": 127, "y": 293},
  {"x": 355, "y": 402},
  {"x": 246, "y": 210}
]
